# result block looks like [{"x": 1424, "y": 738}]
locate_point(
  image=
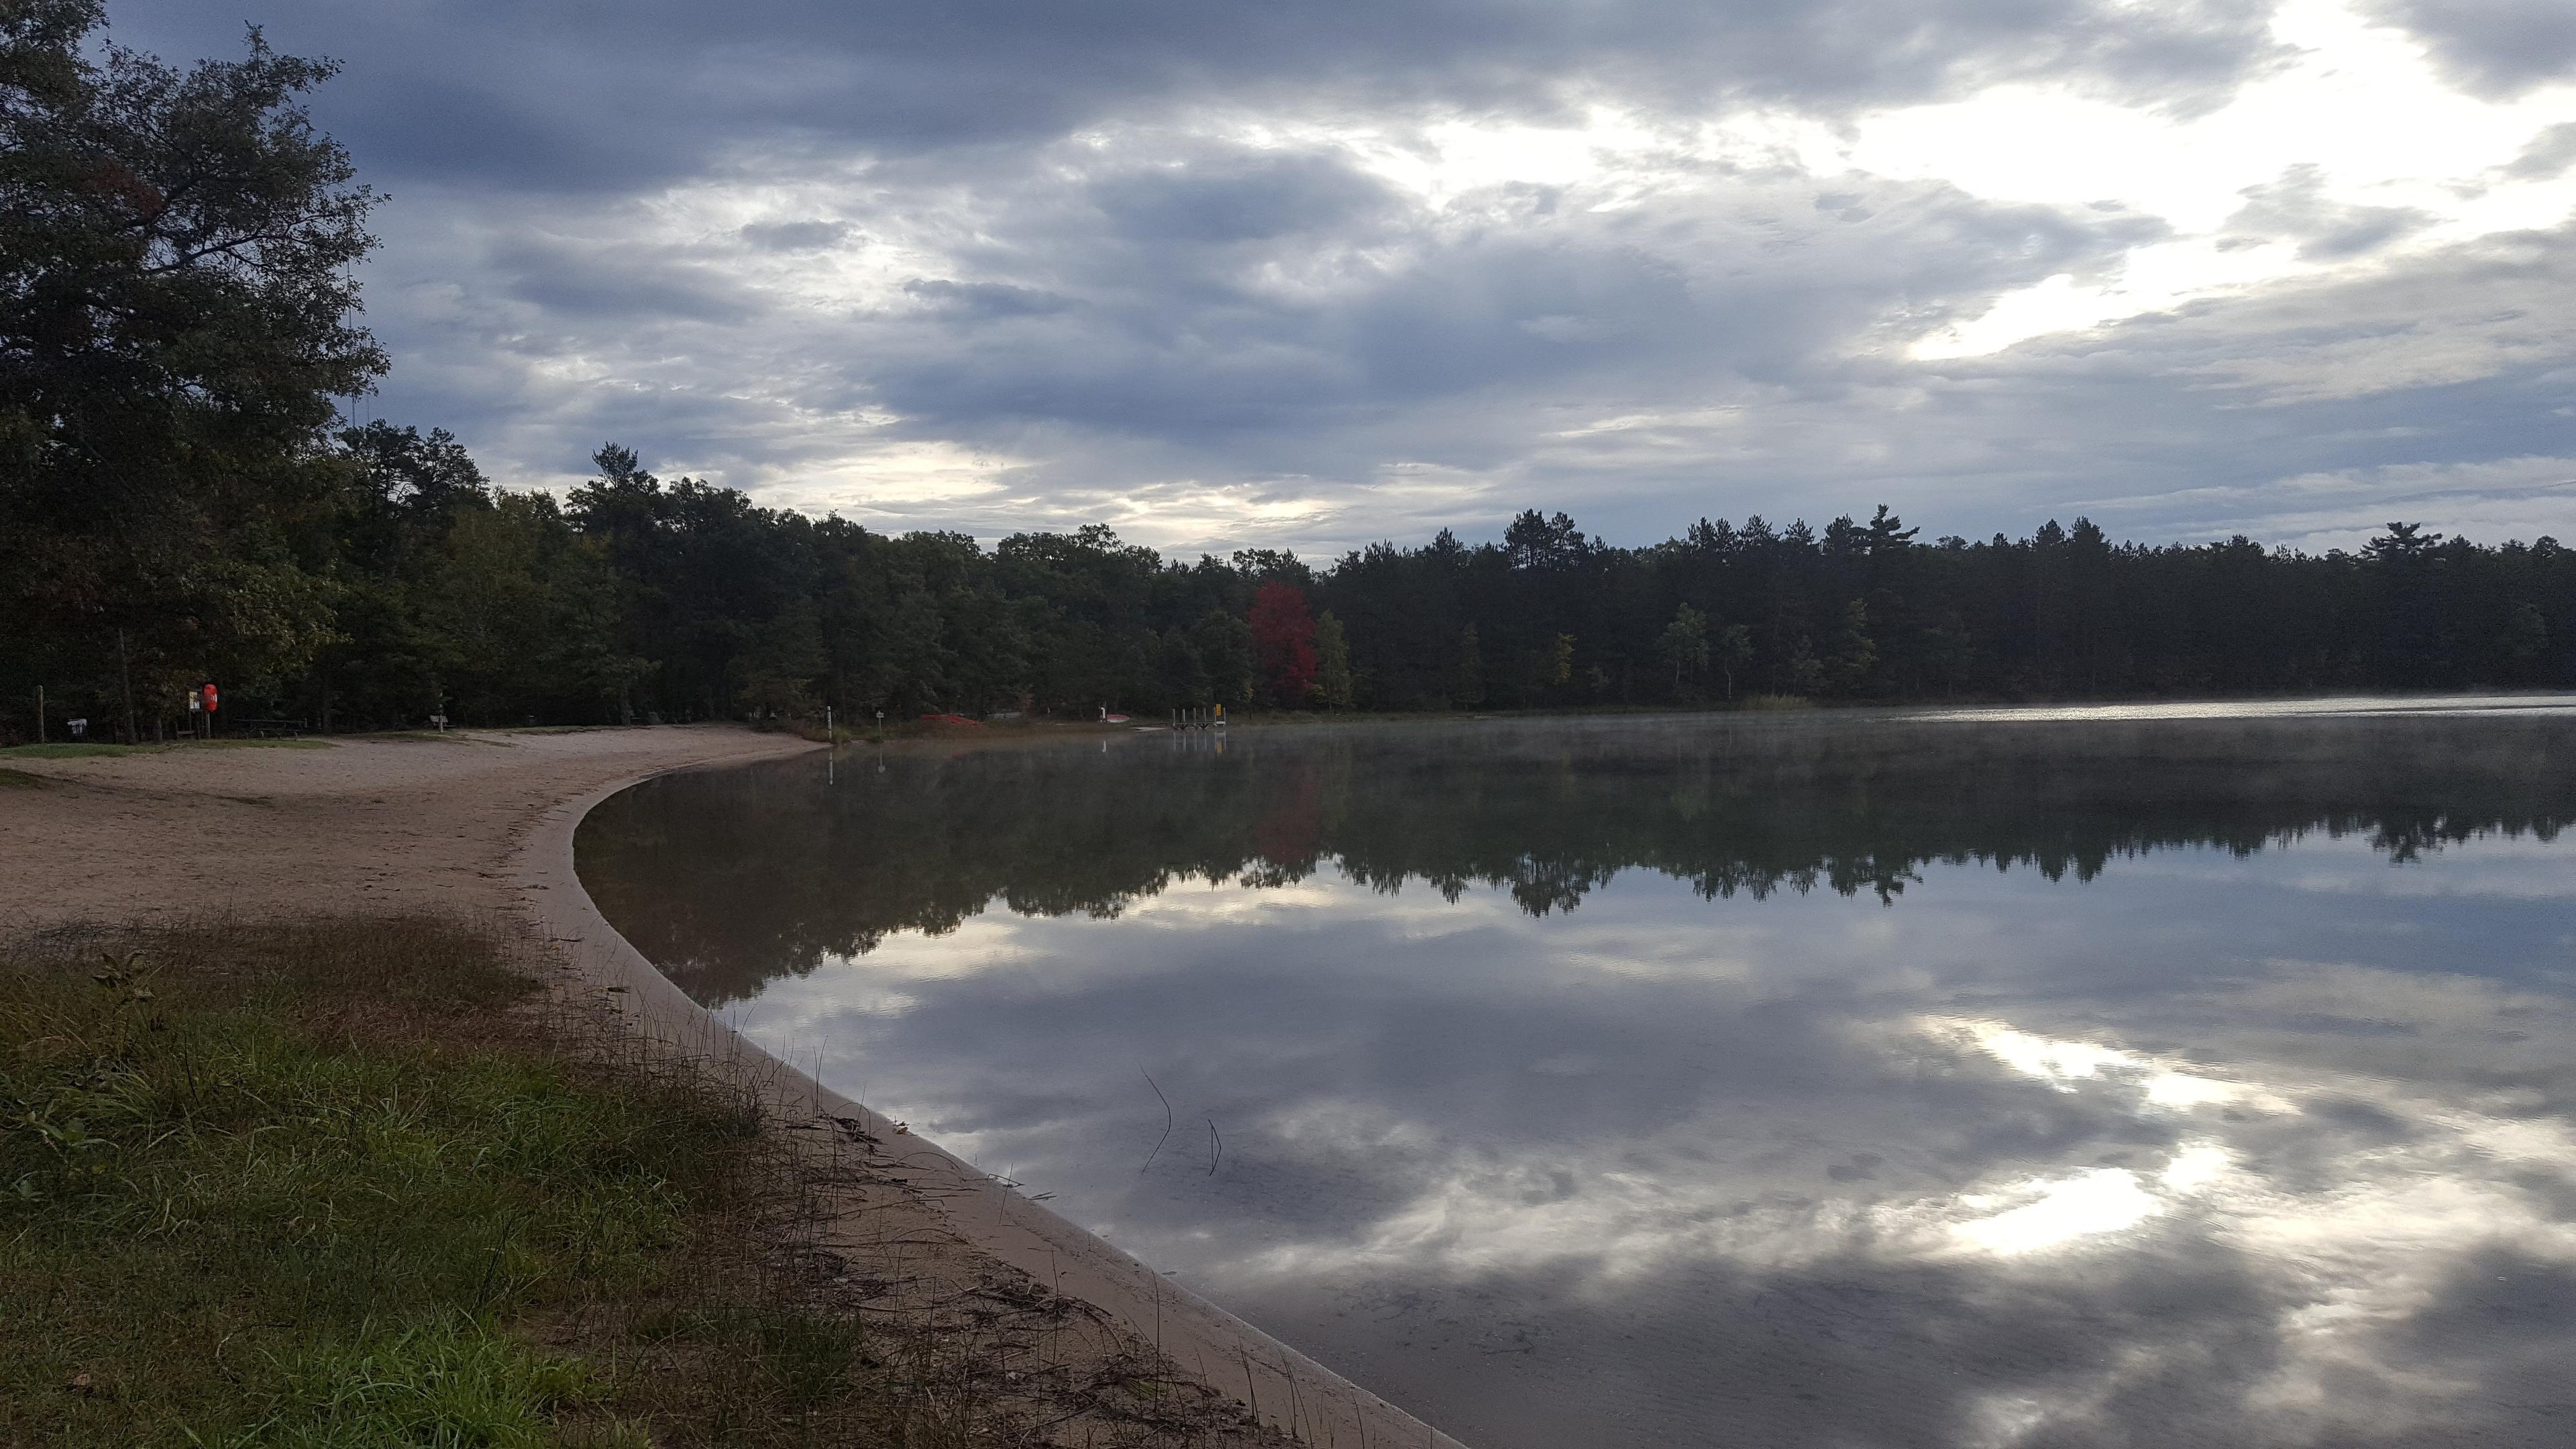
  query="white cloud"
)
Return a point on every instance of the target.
[{"x": 2361, "y": 108}]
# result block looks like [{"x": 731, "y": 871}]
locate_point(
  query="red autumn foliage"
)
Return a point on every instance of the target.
[{"x": 1283, "y": 642}]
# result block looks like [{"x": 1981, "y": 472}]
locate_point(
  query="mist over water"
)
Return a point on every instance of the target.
[{"x": 1816, "y": 1080}]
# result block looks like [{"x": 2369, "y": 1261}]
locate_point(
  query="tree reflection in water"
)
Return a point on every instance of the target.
[
  {"x": 1824, "y": 1080},
  {"x": 729, "y": 880}
]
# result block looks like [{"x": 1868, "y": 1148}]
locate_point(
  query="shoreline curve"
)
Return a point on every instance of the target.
[{"x": 1283, "y": 1386}]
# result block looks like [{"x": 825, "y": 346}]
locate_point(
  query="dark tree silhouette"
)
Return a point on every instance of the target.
[{"x": 175, "y": 323}]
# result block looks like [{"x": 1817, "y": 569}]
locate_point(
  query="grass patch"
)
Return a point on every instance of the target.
[
  {"x": 20, "y": 780},
  {"x": 448, "y": 1381},
  {"x": 87, "y": 749},
  {"x": 249, "y": 1195},
  {"x": 68, "y": 750},
  {"x": 349, "y": 1183}
]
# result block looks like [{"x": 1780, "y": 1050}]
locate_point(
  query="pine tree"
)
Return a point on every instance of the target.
[{"x": 1467, "y": 686}]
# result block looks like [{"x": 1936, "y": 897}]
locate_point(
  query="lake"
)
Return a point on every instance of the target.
[{"x": 2195, "y": 1076}]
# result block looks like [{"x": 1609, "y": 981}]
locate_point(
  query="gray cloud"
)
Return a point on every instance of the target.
[
  {"x": 2550, "y": 155},
  {"x": 1125, "y": 261},
  {"x": 1237, "y": 198},
  {"x": 795, "y": 236},
  {"x": 982, "y": 301},
  {"x": 2295, "y": 208},
  {"x": 2501, "y": 47},
  {"x": 587, "y": 96},
  {"x": 623, "y": 286},
  {"x": 1174, "y": 332}
]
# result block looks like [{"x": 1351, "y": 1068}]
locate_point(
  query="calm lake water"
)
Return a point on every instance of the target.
[{"x": 2124, "y": 1078}]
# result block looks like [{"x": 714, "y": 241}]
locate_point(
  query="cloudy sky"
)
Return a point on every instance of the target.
[{"x": 1308, "y": 275}]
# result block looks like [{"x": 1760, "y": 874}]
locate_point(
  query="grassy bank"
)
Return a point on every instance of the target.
[
  {"x": 99, "y": 749},
  {"x": 343, "y": 1183}
]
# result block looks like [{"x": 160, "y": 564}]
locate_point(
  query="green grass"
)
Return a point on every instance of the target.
[
  {"x": 66, "y": 750},
  {"x": 338, "y": 1184},
  {"x": 250, "y": 1194},
  {"x": 86, "y": 749},
  {"x": 227, "y": 1217},
  {"x": 449, "y": 1381}
]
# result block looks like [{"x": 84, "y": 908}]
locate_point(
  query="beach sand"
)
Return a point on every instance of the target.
[
  {"x": 481, "y": 823},
  {"x": 383, "y": 826}
]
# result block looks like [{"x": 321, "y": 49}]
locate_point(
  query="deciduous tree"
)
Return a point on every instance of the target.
[
  {"x": 1684, "y": 645},
  {"x": 1283, "y": 642},
  {"x": 1332, "y": 663}
]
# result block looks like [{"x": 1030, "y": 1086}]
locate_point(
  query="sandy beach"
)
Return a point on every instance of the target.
[
  {"x": 482, "y": 823},
  {"x": 383, "y": 826}
]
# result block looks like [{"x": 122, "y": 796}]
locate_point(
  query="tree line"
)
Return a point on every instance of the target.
[
  {"x": 180, "y": 504},
  {"x": 634, "y": 599}
]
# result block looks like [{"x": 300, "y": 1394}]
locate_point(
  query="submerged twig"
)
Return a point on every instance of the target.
[{"x": 1167, "y": 1118}]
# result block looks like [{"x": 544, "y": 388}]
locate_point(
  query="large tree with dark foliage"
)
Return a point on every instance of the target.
[{"x": 175, "y": 304}]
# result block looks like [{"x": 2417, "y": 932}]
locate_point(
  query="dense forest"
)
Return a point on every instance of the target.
[{"x": 180, "y": 504}]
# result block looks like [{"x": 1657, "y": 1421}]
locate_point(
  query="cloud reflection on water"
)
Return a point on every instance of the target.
[{"x": 2202, "y": 1151}]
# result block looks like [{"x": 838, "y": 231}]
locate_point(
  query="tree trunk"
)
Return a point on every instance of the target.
[{"x": 125, "y": 673}]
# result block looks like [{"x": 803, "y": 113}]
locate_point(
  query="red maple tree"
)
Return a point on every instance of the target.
[{"x": 1283, "y": 642}]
